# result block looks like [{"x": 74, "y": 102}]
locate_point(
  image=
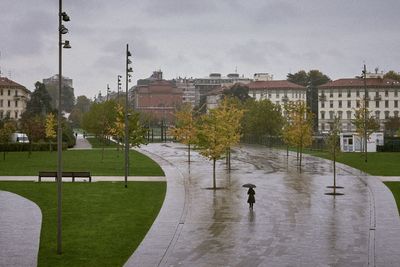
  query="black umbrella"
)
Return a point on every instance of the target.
[{"x": 249, "y": 185}]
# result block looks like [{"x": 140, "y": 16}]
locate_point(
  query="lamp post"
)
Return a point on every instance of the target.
[
  {"x": 128, "y": 79},
  {"x": 108, "y": 90},
  {"x": 364, "y": 72},
  {"x": 119, "y": 86},
  {"x": 62, "y": 16}
]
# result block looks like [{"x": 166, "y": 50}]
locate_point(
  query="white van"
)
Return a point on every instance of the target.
[{"x": 19, "y": 138}]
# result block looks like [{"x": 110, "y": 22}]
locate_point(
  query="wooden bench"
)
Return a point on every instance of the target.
[{"x": 72, "y": 175}]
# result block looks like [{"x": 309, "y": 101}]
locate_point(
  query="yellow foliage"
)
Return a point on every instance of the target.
[{"x": 51, "y": 124}]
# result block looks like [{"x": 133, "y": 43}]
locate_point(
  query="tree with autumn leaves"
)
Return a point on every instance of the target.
[
  {"x": 218, "y": 131},
  {"x": 298, "y": 129},
  {"x": 185, "y": 130},
  {"x": 50, "y": 128},
  {"x": 364, "y": 123}
]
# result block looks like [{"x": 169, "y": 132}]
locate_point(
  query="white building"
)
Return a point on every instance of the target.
[
  {"x": 278, "y": 92},
  {"x": 342, "y": 97},
  {"x": 13, "y": 99},
  {"x": 351, "y": 142}
]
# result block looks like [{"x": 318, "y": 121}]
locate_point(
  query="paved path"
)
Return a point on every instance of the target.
[
  {"x": 20, "y": 224},
  {"x": 293, "y": 224},
  {"x": 81, "y": 143}
]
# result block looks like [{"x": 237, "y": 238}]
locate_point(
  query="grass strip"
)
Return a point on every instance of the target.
[
  {"x": 395, "y": 188},
  {"x": 108, "y": 164}
]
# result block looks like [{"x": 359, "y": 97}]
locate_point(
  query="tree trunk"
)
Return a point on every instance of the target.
[{"x": 214, "y": 181}]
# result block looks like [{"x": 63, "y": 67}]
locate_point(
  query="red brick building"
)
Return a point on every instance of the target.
[{"x": 157, "y": 98}]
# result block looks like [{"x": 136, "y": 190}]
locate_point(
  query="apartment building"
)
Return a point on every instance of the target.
[
  {"x": 343, "y": 96},
  {"x": 278, "y": 92},
  {"x": 215, "y": 80},
  {"x": 158, "y": 98},
  {"x": 13, "y": 99}
]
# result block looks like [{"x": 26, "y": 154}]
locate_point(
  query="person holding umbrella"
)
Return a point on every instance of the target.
[{"x": 251, "y": 199}]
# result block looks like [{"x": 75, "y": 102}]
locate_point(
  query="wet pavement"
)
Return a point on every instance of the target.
[
  {"x": 81, "y": 143},
  {"x": 20, "y": 224},
  {"x": 293, "y": 223}
]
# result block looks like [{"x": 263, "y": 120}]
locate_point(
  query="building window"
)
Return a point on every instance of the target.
[
  {"x": 8, "y": 103},
  {"x": 277, "y": 94},
  {"x": 377, "y": 114},
  {"x": 16, "y": 114},
  {"x": 396, "y": 103},
  {"x": 386, "y": 114},
  {"x": 1, "y": 114},
  {"x": 386, "y": 103},
  {"x": 322, "y": 115},
  {"x": 8, "y": 114},
  {"x": 1, "y": 103},
  {"x": 395, "y": 92},
  {"x": 16, "y": 93},
  {"x": 331, "y": 103},
  {"x": 340, "y": 114},
  {"x": 340, "y": 103},
  {"x": 358, "y": 93},
  {"x": 348, "y": 114},
  {"x": 322, "y": 104},
  {"x": 357, "y": 103},
  {"x": 348, "y": 93},
  {"x": 269, "y": 95},
  {"x": 1, "y": 92},
  {"x": 386, "y": 93},
  {"x": 377, "y": 104},
  {"x": 322, "y": 126},
  {"x": 377, "y": 93},
  {"x": 16, "y": 103},
  {"x": 349, "y": 103},
  {"x": 331, "y": 115},
  {"x": 339, "y": 93},
  {"x": 9, "y": 93},
  {"x": 331, "y": 93},
  {"x": 367, "y": 104}
]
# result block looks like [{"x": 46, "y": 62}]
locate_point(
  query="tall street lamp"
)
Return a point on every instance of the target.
[
  {"x": 128, "y": 79},
  {"x": 62, "y": 16},
  {"x": 364, "y": 74},
  {"x": 119, "y": 84}
]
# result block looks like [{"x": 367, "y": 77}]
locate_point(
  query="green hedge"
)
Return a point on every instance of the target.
[{"x": 26, "y": 146}]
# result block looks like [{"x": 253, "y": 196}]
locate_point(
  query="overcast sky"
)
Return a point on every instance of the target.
[{"x": 193, "y": 38}]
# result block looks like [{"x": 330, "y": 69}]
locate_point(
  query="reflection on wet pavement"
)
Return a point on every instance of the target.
[{"x": 293, "y": 223}]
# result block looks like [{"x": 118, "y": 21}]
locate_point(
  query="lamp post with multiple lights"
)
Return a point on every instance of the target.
[
  {"x": 119, "y": 84},
  {"x": 364, "y": 75},
  {"x": 128, "y": 80},
  {"x": 62, "y": 16}
]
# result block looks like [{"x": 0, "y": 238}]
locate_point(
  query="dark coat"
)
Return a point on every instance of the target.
[{"x": 251, "y": 194}]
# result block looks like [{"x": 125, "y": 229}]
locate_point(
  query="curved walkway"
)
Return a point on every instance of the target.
[
  {"x": 293, "y": 224},
  {"x": 20, "y": 224}
]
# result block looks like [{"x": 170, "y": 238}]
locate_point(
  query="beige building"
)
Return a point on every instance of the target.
[
  {"x": 13, "y": 99},
  {"x": 278, "y": 92},
  {"x": 342, "y": 97}
]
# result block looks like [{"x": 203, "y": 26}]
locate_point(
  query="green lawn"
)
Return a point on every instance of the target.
[
  {"x": 19, "y": 163},
  {"x": 379, "y": 163},
  {"x": 103, "y": 222},
  {"x": 395, "y": 188}
]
